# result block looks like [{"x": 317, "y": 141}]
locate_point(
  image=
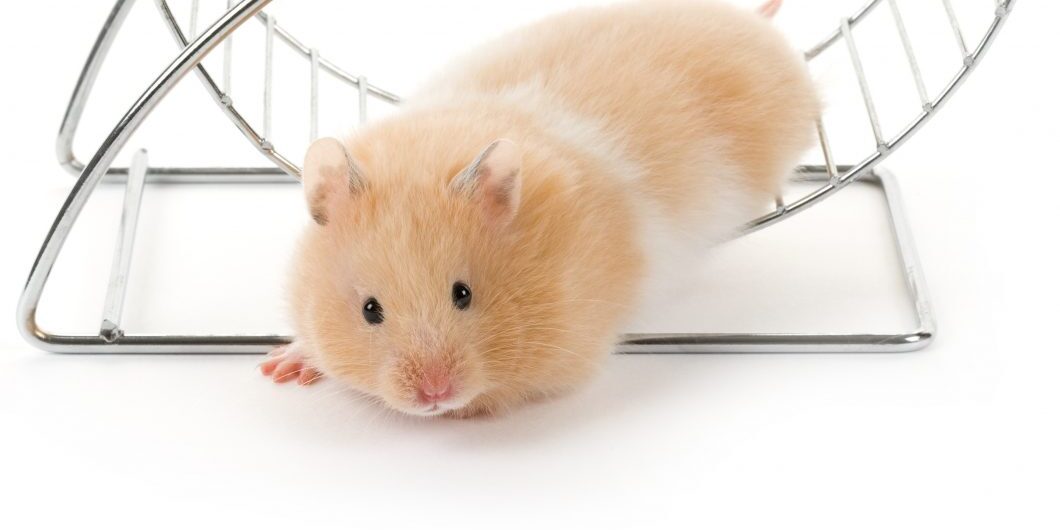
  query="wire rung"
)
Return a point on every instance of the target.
[
  {"x": 193, "y": 19},
  {"x": 314, "y": 94},
  {"x": 918, "y": 78},
  {"x": 362, "y": 99},
  {"x": 826, "y": 150},
  {"x": 113, "y": 305},
  {"x": 957, "y": 33},
  {"x": 866, "y": 94},
  {"x": 226, "y": 74},
  {"x": 270, "y": 32}
]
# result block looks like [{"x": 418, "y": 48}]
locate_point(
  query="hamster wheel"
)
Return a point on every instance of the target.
[{"x": 827, "y": 178}]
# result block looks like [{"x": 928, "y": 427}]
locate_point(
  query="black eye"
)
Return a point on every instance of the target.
[
  {"x": 461, "y": 295},
  {"x": 372, "y": 311}
]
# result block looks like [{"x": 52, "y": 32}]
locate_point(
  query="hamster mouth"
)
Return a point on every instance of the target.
[{"x": 435, "y": 409}]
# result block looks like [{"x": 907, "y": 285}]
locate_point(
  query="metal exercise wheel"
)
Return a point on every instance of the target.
[{"x": 829, "y": 177}]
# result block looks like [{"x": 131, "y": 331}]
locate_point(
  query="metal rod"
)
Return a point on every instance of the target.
[
  {"x": 270, "y": 31},
  {"x": 846, "y": 174},
  {"x": 857, "y": 171},
  {"x": 957, "y": 33},
  {"x": 826, "y": 149},
  {"x": 362, "y": 99},
  {"x": 226, "y": 75},
  {"x": 110, "y": 328},
  {"x": 331, "y": 67},
  {"x": 903, "y": 238},
  {"x": 285, "y": 168},
  {"x": 191, "y": 56},
  {"x": 268, "y": 174},
  {"x": 314, "y": 94},
  {"x": 866, "y": 94},
  {"x": 834, "y": 37},
  {"x": 925, "y": 100},
  {"x": 920, "y": 337},
  {"x": 193, "y": 22},
  {"x": 637, "y": 343},
  {"x": 64, "y": 142},
  {"x": 97, "y": 167},
  {"x": 222, "y": 96}
]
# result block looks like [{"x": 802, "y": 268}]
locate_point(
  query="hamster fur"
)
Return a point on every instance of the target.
[{"x": 556, "y": 174}]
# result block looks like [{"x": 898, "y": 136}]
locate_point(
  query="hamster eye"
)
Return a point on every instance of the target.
[
  {"x": 372, "y": 311},
  {"x": 461, "y": 295}
]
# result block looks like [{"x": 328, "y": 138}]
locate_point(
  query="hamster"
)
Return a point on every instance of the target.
[{"x": 484, "y": 246}]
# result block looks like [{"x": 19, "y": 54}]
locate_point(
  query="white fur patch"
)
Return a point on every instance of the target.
[
  {"x": 572, "y": 129},
  {"x": 580, "y": 132},
  {"x": 674, "y": 246}
]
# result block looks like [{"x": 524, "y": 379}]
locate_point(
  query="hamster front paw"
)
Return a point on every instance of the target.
[{"x": 289, "y": 362}]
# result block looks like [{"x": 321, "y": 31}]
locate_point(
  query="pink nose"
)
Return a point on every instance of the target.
[{"x": 433, "y": 390}]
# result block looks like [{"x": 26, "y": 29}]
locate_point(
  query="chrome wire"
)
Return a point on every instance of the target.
[
  {"x": 910, "y": 55},
  {"x": 831, "y": 178},
  {"x": 957, "y": 33},
  {"x": 262, "y": 140},
  {"x": 90, "y": 178},
  {"x": 110, "y": 327},
  {"x": 362, "y": 99},
  {"x": 826, "y": 151},
  {"x": 837, "y": 179},
  {"x": 314, "y": 95},
  {"x": 193, "y": 19},
  {"x": 226, "y": 76},
  {"x": 270, "y": 32},
  {"x": 863, "y": 83},
  {"x": 884, "y": 146},
  {"x": 837, "y": 34},
  {"x": 328, "y": 66}
]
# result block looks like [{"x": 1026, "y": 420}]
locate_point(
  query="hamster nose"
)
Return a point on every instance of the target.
[{"x": 435, "y": 389}]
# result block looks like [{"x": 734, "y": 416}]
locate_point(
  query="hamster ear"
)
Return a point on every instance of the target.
[
  {"x": 329, "y": 175},
  {"x": 493, "y": 180}
]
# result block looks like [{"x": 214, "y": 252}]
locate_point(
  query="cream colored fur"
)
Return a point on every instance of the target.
[{"x": 645, "y": 131}]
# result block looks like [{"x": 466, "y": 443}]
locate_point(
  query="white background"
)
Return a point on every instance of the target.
[{"x": 963, "y": 434}]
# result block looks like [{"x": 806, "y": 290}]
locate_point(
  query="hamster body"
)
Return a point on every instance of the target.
[{"x": 484, "y": 246}]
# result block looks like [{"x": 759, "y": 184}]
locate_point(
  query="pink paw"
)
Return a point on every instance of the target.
[{"x": 289, "y": 362}]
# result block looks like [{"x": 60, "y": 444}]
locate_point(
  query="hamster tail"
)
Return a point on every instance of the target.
[{"x": 770, "y": 8}]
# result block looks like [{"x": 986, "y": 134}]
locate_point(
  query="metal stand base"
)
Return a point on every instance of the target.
[
  {"x": 901, "y": 341},
  {"x": 113, "y": 339},
  {"x": 195, "y": 45}
]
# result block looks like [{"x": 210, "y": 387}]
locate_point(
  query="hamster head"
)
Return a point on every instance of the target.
[{"x": 407, "y": 283}]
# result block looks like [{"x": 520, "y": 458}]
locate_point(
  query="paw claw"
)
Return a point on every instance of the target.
[
  {"x": 268, "y": 366},
  {"x": 308, "y": 376},
  {"x": 286, "y": 363}
]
